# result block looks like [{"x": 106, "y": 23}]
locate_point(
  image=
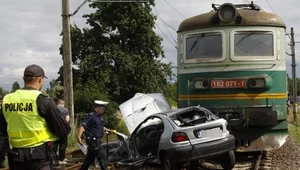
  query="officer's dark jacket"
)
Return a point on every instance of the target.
[
  {"x": 3, "y": 125},
  {"x": 93, "y": 125}
]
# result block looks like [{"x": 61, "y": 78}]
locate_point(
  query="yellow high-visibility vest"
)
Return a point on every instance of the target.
[{"x": 25, "y": 127}]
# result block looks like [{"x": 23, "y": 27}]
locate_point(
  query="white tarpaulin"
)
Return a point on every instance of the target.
[{"x": 136, "y": 109}]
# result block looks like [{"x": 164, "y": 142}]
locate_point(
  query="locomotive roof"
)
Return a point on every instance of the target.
[{"x": 249, "y": 18}]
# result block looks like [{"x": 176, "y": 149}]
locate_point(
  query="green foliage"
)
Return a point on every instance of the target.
[
  {"x": 171, "y": 91},
  {"x": 86, "y": 93},
  {"x": 120, "y": 51},
  {"x": 290, "y": 85},
  {"x": 84, "y": 97},
  {"x": 3, "y": 92},
  {"x": 56, "y": 91},
  {"x": 15, "y": 86},
  {"x": 72, "y": 140},
  {"x": 118, "y": 56},
  {"x": 121, "y": 126}
]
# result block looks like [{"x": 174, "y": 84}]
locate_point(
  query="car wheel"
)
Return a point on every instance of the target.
[
  {"x": 169, "y": 165},
  {"x": 227, "y": 160}
]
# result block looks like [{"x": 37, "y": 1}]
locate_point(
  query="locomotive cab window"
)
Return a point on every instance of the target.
[
  {"x": 253, "y": 45},
  {"x": 204, "y": 47}
]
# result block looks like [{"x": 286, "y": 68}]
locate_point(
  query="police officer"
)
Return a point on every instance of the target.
[
  {"x": 93, "y": 129},
  {"x": 32, "y": 123}
]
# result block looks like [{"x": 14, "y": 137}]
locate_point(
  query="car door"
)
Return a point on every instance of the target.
[
  {"x": 119, "y": 150},
  {"x": 146, "y": 137}
]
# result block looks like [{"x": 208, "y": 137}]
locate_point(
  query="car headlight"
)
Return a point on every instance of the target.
[{"x": 257, "y": 83}]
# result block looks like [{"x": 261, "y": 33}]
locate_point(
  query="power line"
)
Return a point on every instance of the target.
[
  {"x": 163, "y": 23},
  {"x": 270, "y": 6},
  {"x": 79, "y": 7},
  {"x": 169, "y": 26},
  {"x": 175, "y": 9},
  {"x": 165, "y": 36}
]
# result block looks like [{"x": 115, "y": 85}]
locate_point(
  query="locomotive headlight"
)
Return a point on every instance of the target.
[
  {"x": 227, "y": 12},
  {"x": 201, "y": 84},
  {"x": 257, "y": 83}
]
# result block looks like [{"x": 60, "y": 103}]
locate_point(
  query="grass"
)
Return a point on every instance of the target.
[
  {"x": 295, "y": 132},
  {"x": 294, "y": 126}
]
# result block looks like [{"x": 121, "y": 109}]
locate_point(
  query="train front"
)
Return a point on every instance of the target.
[{"x": 232, "y": 61}]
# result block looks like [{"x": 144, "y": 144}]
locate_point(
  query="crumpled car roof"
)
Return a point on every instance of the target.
[{"x": 136, "y": 109}]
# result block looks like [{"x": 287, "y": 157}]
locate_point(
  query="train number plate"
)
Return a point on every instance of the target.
[{"x": 234, "y": 83}]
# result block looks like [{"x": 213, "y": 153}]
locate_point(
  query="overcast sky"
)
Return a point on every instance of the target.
[{"x": 30, "y": 31}]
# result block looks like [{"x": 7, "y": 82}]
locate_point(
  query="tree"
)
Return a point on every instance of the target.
[
  {"x": 120, "y": 51},
  {"x": 56, "y": 91},
  {"x": 171, "y": 94},
  {"x": 15, "y": 86},
  {"x": 290, "y": 85},
  {"x": 3, "y": 92}
]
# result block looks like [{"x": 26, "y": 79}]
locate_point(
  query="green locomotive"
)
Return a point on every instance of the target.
[{"x": 232, "y": 61}]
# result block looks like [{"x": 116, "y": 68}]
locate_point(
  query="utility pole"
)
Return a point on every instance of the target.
[
  {"x": 67, "y": 54},
  {"x": 294, "y": 80},
  {"x": 67, "y": 62}
]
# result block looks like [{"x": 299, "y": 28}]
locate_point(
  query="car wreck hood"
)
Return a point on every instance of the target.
[{"x": 136, "y": 109}]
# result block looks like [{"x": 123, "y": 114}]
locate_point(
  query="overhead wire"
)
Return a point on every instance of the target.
[
  {"x": 175, "y": 9},
  {"x": 286, "y": 33},
  {"x": 79, "y": 7},
  {"x": 165, "y": 36},
  {"x": 270, "y": 6},
  {"x": 165, "y": 25}
]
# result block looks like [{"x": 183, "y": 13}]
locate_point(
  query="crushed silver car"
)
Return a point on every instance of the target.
[{"x": 176, "y": 137}]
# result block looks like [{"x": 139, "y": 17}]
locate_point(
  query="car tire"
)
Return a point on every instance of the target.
[
  {"x": 169, "y": 164},
  {"x": 227, "y": 160}
]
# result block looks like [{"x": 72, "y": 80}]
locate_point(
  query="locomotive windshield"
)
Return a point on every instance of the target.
[
  {"x": 249, "y": 43},
  {"x": 204, "y": 45}
]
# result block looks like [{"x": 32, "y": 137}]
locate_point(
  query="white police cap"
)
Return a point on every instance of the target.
[{"x": 100, "y": 102}]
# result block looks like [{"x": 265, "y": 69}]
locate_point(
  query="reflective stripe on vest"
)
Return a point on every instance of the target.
[{"x": 25, "y": 127}]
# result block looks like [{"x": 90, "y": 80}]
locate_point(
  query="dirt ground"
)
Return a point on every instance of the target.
[{"x": 288, "y": 156}]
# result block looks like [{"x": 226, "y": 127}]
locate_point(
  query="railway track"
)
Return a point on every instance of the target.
[
  {"x": 244, "y": 161},
  {"x": 254, "y": 161}
]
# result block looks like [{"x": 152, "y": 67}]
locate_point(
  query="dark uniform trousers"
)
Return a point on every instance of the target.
[
  {"x": 95, "y": 150},
  {"x": 36, "y": 158},
  {"x": 3, "y": 147},
  {"x": 61, "y": 145}
]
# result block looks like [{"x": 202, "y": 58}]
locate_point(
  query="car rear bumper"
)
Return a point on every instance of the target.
[{"x": 203, "y": 150}]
